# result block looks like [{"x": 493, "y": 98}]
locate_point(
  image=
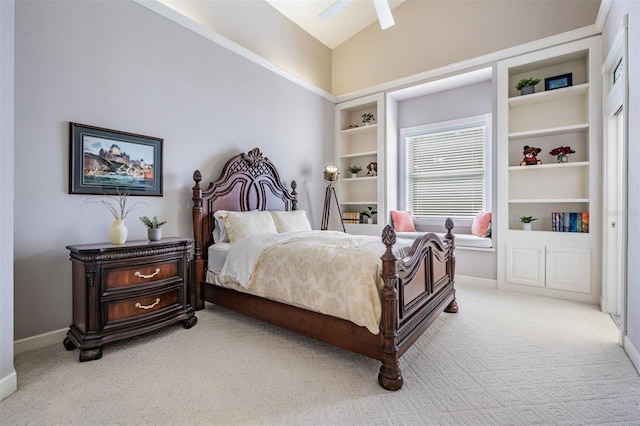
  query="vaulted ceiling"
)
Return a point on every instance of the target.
[{"x": 349, "y": 20}]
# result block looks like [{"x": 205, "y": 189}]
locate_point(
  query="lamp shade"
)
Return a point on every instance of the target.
[{"x": 331, "y": 173}]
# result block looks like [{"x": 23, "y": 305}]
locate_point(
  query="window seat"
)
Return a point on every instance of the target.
[{"x": 461, "y": 240}]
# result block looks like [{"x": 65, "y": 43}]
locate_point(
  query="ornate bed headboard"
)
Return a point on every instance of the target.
[{"x": 248, "y": 182}]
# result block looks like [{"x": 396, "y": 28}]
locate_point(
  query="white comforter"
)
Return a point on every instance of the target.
[{"x": 325, "y": 271}]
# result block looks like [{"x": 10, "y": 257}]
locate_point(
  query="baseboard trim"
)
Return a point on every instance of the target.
[
  {"x": 476, "y": 282},
  {"x": 632, "y": 353},
  {"x": 8, "y": 385},
  {"x": 39, "y": 341}
]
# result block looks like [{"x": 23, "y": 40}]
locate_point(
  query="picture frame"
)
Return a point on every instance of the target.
[
  {"x": 558, "y": 82},
  {"x": 104, "y": 162}
]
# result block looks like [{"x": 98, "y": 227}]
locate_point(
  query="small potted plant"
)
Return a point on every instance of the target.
[
  {"x": 369, "y": 212},
  {"x": 526, "y": 222},
  {"x": 561, "y": 153},
  {"x": 367, "y": 118},
  {"x": 155, "y": 231},
  {"x": 354, "y": 170},
  {"x": 527, "y": 85}
]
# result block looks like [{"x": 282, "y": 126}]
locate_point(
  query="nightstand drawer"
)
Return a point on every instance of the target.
[
  {"x": 141, "y": 274},
  {"x": 141, "y": 305}
]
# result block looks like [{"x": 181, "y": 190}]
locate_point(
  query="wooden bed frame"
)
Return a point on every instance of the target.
[{"x": 416, "y": 289}]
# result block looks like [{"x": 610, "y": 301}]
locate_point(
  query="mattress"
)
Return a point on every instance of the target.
[{"x": 217, "y": 256}]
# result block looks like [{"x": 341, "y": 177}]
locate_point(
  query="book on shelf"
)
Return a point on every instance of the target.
[
  {"x": 351, "y": 217},
  {"x": 570, "y": 222}
]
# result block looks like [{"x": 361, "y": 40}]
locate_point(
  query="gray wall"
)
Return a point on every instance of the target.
[
  {"x": 121, "y": 66},
  {"x": 8, "y": 379},
  {"x": 467, "y": 101},
  {"x": 612, "y": 25}
]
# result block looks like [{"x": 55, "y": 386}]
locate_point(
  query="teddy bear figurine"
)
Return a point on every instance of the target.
[{"x": 530, "y": 156}]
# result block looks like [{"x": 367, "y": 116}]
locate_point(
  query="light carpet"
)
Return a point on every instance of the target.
[{"x": 504, "y": 359}]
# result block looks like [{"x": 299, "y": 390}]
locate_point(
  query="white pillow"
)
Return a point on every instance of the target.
[
  {"x": 291, "y": 221},
  {"x": 219, "y": 231},
  {"x": 241, "y": 225}
]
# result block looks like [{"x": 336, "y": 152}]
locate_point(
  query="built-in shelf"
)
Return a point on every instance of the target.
[
  {"x": 361, "y": 129},
  {"x": 539, "y": 167},
  {"x": 554, "y": 131},
  {"x": 359, "y": 154},
  {"x": 362, "y": 179},
  {"x": 549, "y": 95},
  {"x": 358, "y": 203},
  {"x": 543, "y": 261},
  {"x": 548, "y": 200}
]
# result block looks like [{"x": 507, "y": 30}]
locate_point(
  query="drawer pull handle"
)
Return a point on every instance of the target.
[
  {"x": 138, "y": 305},
  {"x": 138, "y": 274}
]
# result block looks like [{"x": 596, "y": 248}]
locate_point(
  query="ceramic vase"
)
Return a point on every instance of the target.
[
  {"x": 527, "y": 90},
  {"x": 526, "y": 226},
  {"x": 118, "y": 232},
  {"x": 562, "y": 158},
  {"x": 154, "y": 234}
]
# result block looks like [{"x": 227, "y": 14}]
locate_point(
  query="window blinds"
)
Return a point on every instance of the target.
[{"x": 446, "y": 172}]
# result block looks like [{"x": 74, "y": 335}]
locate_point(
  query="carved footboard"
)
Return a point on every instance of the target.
[{"x": 416, "y": 290}]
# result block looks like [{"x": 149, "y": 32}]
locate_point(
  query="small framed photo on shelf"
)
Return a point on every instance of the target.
[{"x": 558, "y": 82}]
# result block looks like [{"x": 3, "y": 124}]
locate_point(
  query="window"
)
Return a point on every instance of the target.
[
  {"x": 617, "y": 71},
  {"x": 445, "y": 170}
]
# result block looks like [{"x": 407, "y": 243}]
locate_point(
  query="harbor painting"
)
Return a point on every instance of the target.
[{"x": 106, "y": 161}]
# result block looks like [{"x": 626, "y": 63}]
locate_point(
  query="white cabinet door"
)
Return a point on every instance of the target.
[
  {"x": 569, "y": 269},
  {"x": 526, "y": 264}
]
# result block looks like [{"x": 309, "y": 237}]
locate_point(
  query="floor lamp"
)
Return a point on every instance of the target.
[{"x": 331, "y": 173}]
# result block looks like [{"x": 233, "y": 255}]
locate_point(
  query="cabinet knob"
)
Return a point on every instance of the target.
[{"x": 613, "y": 224}]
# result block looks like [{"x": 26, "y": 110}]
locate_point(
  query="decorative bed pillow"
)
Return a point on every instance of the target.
[
  {"x": 220, "y": 231},
  {"x": 402, "y": 221},
  {"x": 241, "y": 225},
  {"x": 291, "y": 221},
  {"x": 481, "y": 226}
]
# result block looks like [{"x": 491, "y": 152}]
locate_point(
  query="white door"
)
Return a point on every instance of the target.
[{"x": 614, "y": 217}]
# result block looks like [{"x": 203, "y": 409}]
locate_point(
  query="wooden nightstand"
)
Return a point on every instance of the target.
[{"x": 122, "y": 291}]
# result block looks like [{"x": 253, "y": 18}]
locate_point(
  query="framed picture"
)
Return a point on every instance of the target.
[
  {"x": 103, "y": 161},
  {"x": 558, "y": 82}
]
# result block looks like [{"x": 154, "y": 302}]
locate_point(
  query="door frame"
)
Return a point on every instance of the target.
[{"x": 615, "y": 195}]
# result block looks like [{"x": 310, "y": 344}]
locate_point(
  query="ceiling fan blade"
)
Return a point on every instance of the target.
[
  {"x": 384, "y": 13},
  {"x": 334, "y": 8}
]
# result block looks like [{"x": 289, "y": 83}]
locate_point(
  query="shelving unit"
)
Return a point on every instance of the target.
[
  {"x": 544, "y": 261},
  {"x": 361, "y": 146}
]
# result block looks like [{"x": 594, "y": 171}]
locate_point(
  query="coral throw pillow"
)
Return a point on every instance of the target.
[
  {"x": 481, "y": 226},
  {"x": 402, "y": 221}
]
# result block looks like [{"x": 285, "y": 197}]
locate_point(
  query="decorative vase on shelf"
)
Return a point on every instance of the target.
[
  {"x": 354, "y": 175},
  {"x": 369, "y": 220},
  {"x": 561, "y": 158},
  {"x": 154, "y": 234},
  {"x": 526, "y": 226},
  {"x": 118, "y": 232}
]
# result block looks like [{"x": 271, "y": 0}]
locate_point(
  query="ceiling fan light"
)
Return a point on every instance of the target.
[
  {"x": 334, "y": 8},
  {"x": 384, "y": 13}
]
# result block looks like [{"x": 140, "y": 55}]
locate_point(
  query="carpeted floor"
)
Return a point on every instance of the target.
[{"x": 504, "y": 359}]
